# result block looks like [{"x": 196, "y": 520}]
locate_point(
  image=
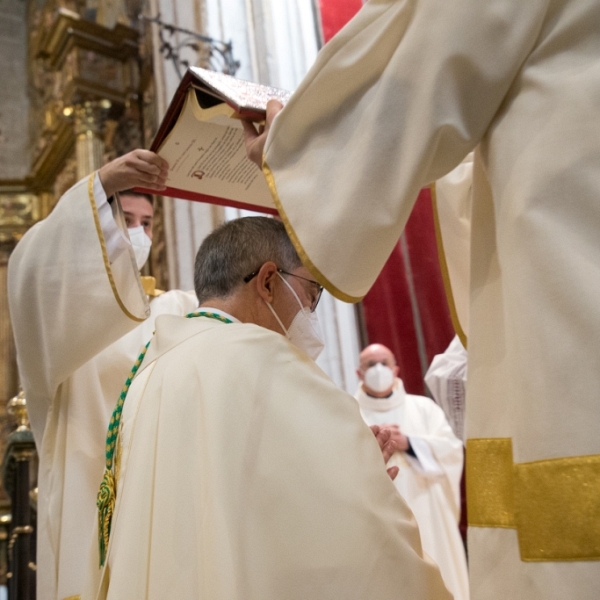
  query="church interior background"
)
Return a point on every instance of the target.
[{"x": 84, "y": 81}]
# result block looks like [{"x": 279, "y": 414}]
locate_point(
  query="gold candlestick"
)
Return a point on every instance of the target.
[{"x": 17, "y": 408}]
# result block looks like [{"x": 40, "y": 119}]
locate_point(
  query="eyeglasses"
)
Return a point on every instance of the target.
[{"x": 317, "y": 285}]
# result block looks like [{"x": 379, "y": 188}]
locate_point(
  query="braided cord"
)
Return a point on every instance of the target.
[{"x": 210, "y": 315}]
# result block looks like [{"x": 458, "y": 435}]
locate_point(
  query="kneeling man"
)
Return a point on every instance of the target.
[{"x": 242, "y": 472}]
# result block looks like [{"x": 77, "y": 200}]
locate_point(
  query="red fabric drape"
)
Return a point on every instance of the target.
[
  {"x": 335, "y": 14},
  {"x": 408, "y": 300}
]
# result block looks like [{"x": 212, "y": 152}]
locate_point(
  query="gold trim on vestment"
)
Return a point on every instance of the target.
[
  {"x": 332, "y": 289},
  {"x": 77, "y": 597},
  {"x": 489, "y": 480},
  {"x": 105, "y": 253},
  {"x": 444, "y": 269},
  {"x": 553, "y": 504}
]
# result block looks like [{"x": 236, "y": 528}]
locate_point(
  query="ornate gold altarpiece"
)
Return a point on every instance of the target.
[
  {"x": 91, "y": 98},
  {"x": 90, "y": 93}
]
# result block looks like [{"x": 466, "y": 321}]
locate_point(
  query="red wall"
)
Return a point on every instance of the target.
[
  {"x": 335, "y": 14},
  {"x": 411, "y": 282}
]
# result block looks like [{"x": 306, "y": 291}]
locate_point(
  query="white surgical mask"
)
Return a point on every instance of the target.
[
  {"x": 379, "y": 378},
  {"x": 141, "y": 244},
  {"x": 304, "y": 331}
]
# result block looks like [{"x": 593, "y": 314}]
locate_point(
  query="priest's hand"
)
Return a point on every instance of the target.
[
  {"x": 255, "y": 138},
  {"x": 387, "y": 446},
  {"x": 139, "y": 168},
  {"x": 396, "y": 436}
]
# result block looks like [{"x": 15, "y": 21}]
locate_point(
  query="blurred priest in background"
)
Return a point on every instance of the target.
[{"x": 429, "y": 457}]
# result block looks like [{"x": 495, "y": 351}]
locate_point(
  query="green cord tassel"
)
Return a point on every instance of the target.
[{"x": 106, "y": 506}]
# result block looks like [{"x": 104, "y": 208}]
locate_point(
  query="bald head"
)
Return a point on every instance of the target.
[
  {"x": 371, "y": 356},
  {"x": 377, "y": 353}
]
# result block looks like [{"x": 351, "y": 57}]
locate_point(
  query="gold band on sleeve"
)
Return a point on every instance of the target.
[{"x": 553, "y": 504}]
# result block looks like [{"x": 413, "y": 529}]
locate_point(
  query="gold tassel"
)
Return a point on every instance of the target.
[{"x": 106, "y": 506}]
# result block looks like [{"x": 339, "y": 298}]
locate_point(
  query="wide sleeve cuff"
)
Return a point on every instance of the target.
[{"x": 115, "y": 240}]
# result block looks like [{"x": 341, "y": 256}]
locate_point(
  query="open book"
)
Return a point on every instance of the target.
[{"x": 202, "y": 139}]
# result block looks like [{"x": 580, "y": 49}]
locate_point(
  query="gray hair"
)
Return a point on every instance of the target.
[{"x": 238, "y": 248}]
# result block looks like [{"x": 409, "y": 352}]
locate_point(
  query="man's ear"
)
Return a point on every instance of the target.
[
  {"x": 359, "y": 374},
  {"x": 396, "y": 370},
  {"x": 265, "y": 281}
]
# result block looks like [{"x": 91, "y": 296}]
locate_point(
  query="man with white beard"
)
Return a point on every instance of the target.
[
  {"x": 429, "y": 458},
  {"x": 80, "y": 317}
]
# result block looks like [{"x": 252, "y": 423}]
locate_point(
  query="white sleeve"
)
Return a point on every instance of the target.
[
  {"x": 393, "y": 102},
  {"x": 115, "y": 239},
  {"x": 68, "y": 300},
  {"x": 425, "y": 458},
  {"x": 439, "y": 452},
  {"x": 446, "y": 379}
]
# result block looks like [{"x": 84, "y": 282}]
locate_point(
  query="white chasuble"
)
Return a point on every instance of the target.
[
  {"x": 79, "y": 319},
  {"x": 394, "y": 102},
  {"x": 246, "y": 474},
  {"x": 428, "y": 481}
]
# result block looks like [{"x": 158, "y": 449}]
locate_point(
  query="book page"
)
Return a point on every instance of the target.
[{"x": 206, "y": 156}]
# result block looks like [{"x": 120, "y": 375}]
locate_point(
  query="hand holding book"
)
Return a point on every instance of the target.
[
  {"x": 136, "y": 168},
  {"x": 202, "y": 137},
  {"x": 254, "y": 139}
]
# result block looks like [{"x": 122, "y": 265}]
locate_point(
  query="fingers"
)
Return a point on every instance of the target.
[
  {"x": 393, "y": 472},
  {"x": 393, "y": 426},
  {"x": 254, "y": 139},
  {"x": 273, "y": 108},
  {"x": 138, "y": 168},
  {"x": 250, "y": 133},
  {"x": 147, "y": 162},
  {"x": 383, "y": 437},
  {"x": 144, "y": 168},
  {"x": 388, "y": 450}
]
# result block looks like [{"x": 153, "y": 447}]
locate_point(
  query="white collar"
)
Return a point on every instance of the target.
[{"x": 382, "y": 404}]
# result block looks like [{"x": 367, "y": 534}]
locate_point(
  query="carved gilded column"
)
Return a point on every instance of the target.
[
  {"x": 8, "y": 371},
  {"x": 18, "y": 211},
  {"x": 89, "y": 139}
]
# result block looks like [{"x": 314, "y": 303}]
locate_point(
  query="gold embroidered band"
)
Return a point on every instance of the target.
[{"x": 553, "y": 504}]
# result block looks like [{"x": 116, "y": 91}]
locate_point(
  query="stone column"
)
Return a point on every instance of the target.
[{"x": 89, "y": 144}]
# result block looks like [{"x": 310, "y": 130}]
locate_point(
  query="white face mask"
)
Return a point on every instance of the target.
[
  {"x": 379, "y": 378},
  {"x": 304, "y": 332},
  {"x": 141, "y": 244}
]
